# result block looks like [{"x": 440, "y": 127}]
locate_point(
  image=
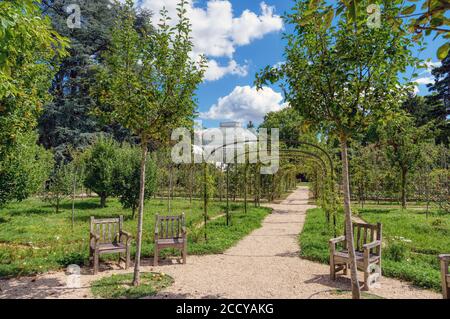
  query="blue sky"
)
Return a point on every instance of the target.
[{"x": 239, "y": 38}]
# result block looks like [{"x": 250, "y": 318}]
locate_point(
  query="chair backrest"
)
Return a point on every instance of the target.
[
  {"x": 107, "y": 228},
  {"x": 365, "y": 233},
  {"x": 170, "y": 226}
]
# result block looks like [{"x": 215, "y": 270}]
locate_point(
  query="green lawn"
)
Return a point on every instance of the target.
[
  {"x": 412, "y": 242},
  {"x": 34, "y": 239}
]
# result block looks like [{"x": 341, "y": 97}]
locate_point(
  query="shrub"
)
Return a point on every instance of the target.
[
  {"x": 100, "y": 160},
  {"x": 126, "y": 177},
  {"x": 397, "y": 251}
]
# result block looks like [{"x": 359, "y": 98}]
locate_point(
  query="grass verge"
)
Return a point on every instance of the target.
[
  {"x": 34, "y": 239},
  {"x": 411, "y": 242},
  {"x": 121, "y": 287}
]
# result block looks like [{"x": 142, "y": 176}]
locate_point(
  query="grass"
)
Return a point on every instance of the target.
[
  {"x": 412, "y": 242},
  {"x": 120, "y": 286},
  {"x": 34, "y": 239}
]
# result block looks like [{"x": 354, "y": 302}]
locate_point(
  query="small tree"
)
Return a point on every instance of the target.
[
  {"x": 126, "y": 177},
  {"x": 100, "y": 159},
  {"x": 147, "y": 85},
  {"x": 403, "y": 142},
  {"x": 59, "y": 185},
  {"x": 341, "y": 76}
]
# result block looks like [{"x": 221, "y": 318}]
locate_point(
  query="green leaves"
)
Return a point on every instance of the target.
[
  {"x": 443, "y": 51},
  {"x": 149, "y": 79},
  {"x": 29, "y": 52},
  {"x": 409, "y": 10}
]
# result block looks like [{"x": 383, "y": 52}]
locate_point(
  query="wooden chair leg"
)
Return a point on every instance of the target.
[
  {"x": 366, "y": 280},
  {"x": 96, "y": 262},
  {"x": 445, "y": 288},
  {"x": 184, "y": 252},
  {"x": 155, "y": 258},
  {"x": 332, "y": 269}
]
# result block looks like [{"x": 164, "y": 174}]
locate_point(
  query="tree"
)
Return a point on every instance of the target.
[
  {"x": 440, "y": 100},
  {"x": 126, "y": 174},
  {"x": 59, "y": 185},
  {"x": 100, "y": 160},
  {"x": 341, "y": 76},
  {"x": 429, "y": 110},
  {"x": 403, "y": 141},
  {"x": 29, "y": 50},
  {"x": 147, "y": 85},
  {"x": 24, "y": 171}
]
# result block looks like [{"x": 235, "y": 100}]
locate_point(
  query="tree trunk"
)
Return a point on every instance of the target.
[
  {"x": 245, "y": 188},
  {"x": 73, "y": 198},
  {"x": 137, "y": 262},
  {"x": 133, "y": 210},
  {"x": 102, "y": 200},
  {"x": 356, "y": 294},
  {"x": 205, "y": 197},
  {"x": 57, "y": 203},
  {"x": 228, "y": 195},
  {"x": 404, "y": 172}
]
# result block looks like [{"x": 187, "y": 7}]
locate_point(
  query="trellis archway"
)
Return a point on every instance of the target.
[{"x": 295, "y": 153}]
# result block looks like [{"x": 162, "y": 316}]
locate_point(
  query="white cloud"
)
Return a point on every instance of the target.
[
  {"x": 245, "y": 103},
  {"x": 215, "y": 71},
  {"x": 216, "y": 32},
  {"x": 424, "y": 80}
]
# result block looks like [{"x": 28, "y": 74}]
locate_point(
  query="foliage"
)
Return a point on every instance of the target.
[
  {"x": 120, "y": 286},
  {"x": 403, "y": 142},
  {"x": 100, "y": 160},
  {"x": 67, "y": 120},
  {"x": 408, "y": 17},
  {"x": 29, "y": 49},
  {"x": 125, "y": 177},
  {"x": 25, "y": 169},
  {"x": 59, "y": 185}
]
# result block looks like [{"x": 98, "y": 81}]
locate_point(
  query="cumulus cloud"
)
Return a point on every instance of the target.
[
  {"x": 424, "y": 80},
  {"x": 216, "y": 32},
  {"x": 245, "y": 103},
  {"x": 215, "y": 71}
]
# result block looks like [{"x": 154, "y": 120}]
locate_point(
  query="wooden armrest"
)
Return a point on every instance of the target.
[
  {"x": 445, "y": 257},
  {"x": 336, "y": 240},
  {"x": 372, "y": 245},
  {"x": 124, "y": 233},
  {"x": 93, "y": 235}
]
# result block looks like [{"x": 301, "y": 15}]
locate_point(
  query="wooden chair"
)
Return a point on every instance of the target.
[
  {"x": 445, "y": 261},
  {"x": 170, "y": 232},
  {"x": 367, "y": 239},
  {"x": 107, "y": 236}
]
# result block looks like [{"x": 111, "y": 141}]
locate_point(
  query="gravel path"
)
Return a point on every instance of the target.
[{"x": 265, "y": 264}]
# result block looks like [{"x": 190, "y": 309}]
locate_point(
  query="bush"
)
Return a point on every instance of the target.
[
  {"x": 126, "y": 177},
  {"x": 397, "y": 251},
  {"x": 100, "y": 160},
  {"x": 24, "y": 170}
]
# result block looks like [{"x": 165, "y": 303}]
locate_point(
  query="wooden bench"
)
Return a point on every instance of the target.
[
  {"x": 445, "y": 261},
  {"x": 170, "y": 232},
  {"x": 367, "y": 243},
  {"x": 107, "y": 236}
]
